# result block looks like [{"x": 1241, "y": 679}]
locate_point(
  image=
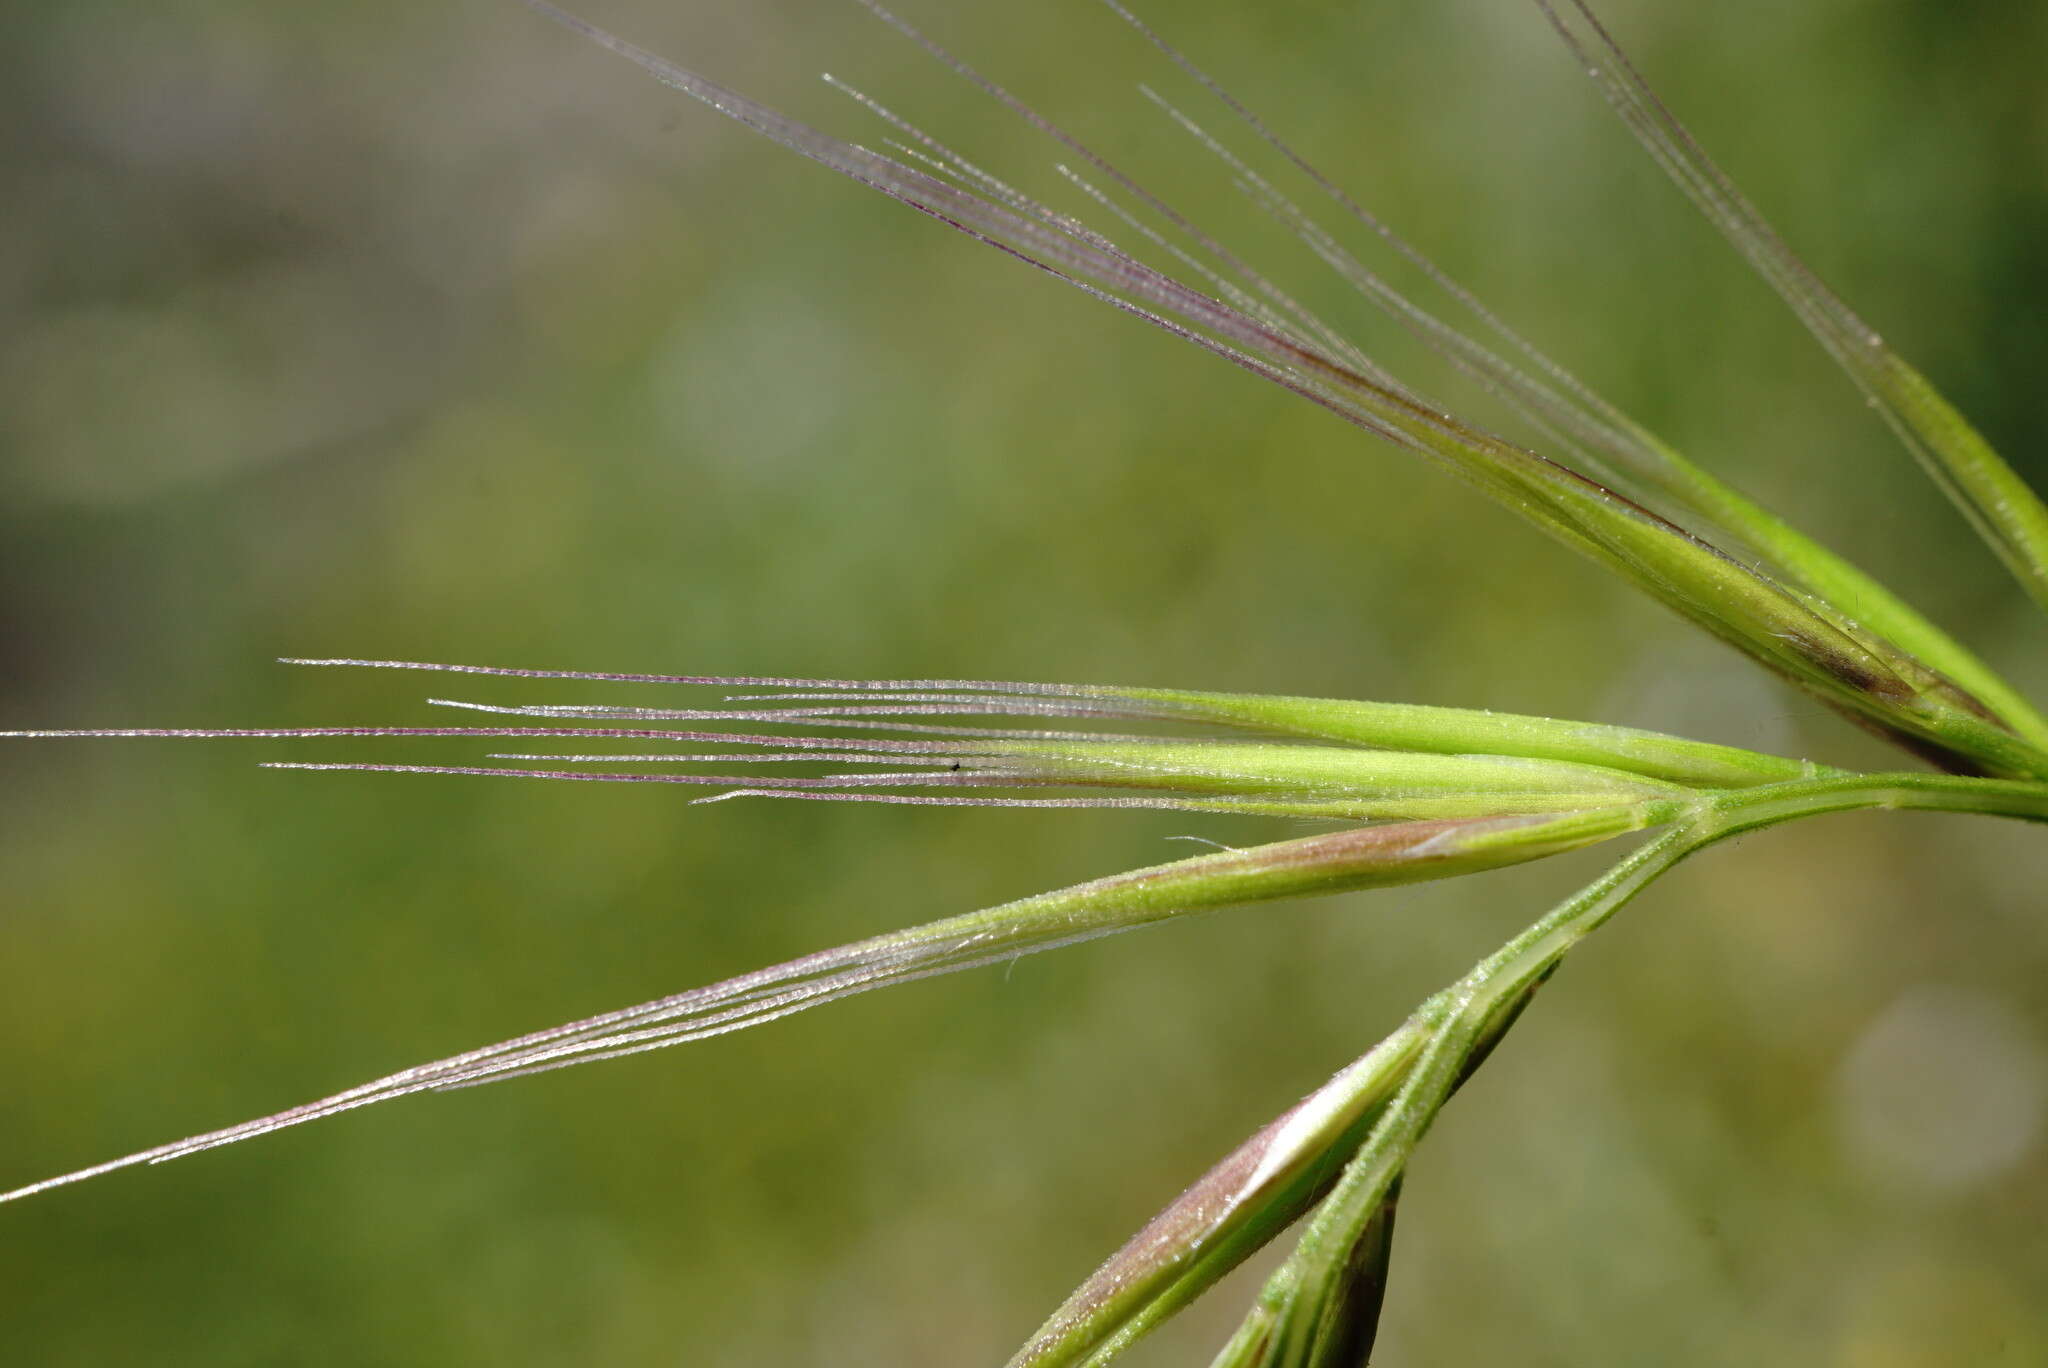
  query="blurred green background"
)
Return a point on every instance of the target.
[{"x": 428, "y": 331}]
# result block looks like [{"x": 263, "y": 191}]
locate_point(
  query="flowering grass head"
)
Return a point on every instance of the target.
[{"x": 1393, "y": 793}]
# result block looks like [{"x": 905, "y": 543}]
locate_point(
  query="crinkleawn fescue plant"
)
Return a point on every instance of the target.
[{"x": 1400, "y": 792}]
